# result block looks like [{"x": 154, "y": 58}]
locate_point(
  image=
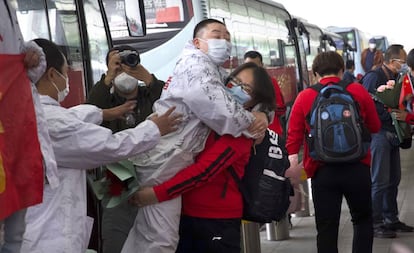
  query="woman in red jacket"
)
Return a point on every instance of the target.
[
  {"x": 333, "y": 181},
  {"x": 212, "y": 203}
]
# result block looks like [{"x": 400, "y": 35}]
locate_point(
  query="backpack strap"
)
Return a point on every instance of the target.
[
  {"x": 344, "y": 84},
  {"x": 238, "y": 181},
  {"x": 316, "y": 87}
]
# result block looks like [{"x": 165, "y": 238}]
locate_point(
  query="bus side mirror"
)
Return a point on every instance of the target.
[{"x": 135, "y": 15}]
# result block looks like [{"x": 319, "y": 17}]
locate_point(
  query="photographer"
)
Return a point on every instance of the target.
[{"x": 119, "y": 84}]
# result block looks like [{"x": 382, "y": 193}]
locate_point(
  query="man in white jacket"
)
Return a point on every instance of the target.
[
  {"x": 12, "y": 43},
  {"x": 196, "y": 89},
  {"x": 60, "y": 224}
]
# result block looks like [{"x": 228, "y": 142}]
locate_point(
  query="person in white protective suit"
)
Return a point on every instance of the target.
[
  {"x": 196, "y": 89},
  {"x": 12, "y": 43},
  {"x": 60, "y": 224}
]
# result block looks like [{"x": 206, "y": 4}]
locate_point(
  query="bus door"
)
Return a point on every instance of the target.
[
  {"x": 81, "y": 37},
  {"x": 295, "y": 31}
]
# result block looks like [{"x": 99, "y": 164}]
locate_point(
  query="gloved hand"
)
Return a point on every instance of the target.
[{"x": 35, "y": 60}]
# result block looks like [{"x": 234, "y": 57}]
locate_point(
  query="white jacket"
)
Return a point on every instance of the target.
[
  {"x": 60, "y": 224},
  {"x": 196, "y": 89}
]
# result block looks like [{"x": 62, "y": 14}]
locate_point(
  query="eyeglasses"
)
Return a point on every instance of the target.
[
  {"x": 234, "y": 81},
  {"x": 399, "y": 60}
]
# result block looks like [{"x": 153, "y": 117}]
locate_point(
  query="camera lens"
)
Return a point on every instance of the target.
[
  {"x": 132, "y": 60},
  {"x": 129, "y": 57}
]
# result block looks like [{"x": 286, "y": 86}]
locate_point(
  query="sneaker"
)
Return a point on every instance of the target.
[
  {"x": 399, "y": 227},
  {"x": 383, "y": 232}
]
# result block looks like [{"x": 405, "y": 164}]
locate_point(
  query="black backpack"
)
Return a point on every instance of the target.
[
  {"x": 264, "y": 187},
  {"x": 337, "y": 133}
]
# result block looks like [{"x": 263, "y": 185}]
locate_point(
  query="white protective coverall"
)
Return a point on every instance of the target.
[
  {"x": 60, "y": 223},
  {"x": 196, "y": 89}
]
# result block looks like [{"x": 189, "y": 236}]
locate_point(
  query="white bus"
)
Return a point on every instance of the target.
[
  {"x": 382, "y": 42},
  {"x": 261, "y": 25},
  {"x": 317, "y": 40},
  {"x": 357, "y": 41}
]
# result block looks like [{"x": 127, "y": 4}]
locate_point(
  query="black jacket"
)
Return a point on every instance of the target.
[{"x": 101, "y": 96}]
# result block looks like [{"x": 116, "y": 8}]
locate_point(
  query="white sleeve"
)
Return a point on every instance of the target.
[
  {"x": 80, "y": 145},
  {"x": 208, "y": 99},
  {"x": 87, "y": 113}
]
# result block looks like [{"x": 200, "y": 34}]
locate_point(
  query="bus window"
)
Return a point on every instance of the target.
[
  {"x": 242, "y": 39},
  {"x": 259, "y": 31},
  {"x": 275, "y": 58},
  {"x": 164, "y": 20},
  {"x": 97, "y": 39},
  {"x": 115, "y": 13},
  {"x": 219, "y": 9}
]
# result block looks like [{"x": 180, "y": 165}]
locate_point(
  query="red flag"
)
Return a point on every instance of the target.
[
  {"x": 21, "y": 168},
  {"x": 406, "y": 90}
]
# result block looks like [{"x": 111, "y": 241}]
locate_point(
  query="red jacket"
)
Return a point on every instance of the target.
[
  {"x": 207, "y": 188},
  {"x": 410, "y": 118},
  {"x": 280, "y": 109},
  {"x": 298, "y": 125}
]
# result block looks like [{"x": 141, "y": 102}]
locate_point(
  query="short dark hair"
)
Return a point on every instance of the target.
[
  {"x": 202, "y": 24},
  {"x": 253, "y": 55},
  {"x": 263, "y": 91},
  {"x": 410, "y": 59},
  {"x": 326, "y": 63},
  {"x": 349, "y": 64},
  {"x": 54, "y": 55},
  {"x": 120, "y": 49},
  {"x": 393, "y": 52}
]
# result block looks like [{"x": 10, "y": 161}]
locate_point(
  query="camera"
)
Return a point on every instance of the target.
[{"x": 129, "y": 57}]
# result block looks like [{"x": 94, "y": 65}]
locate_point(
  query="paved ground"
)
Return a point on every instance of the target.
[{"x": 302, "y": 235}]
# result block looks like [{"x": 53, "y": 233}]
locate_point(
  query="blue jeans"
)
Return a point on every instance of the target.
[
  {"x": 14, "y": 227},
  {"x": 386, "y": 176}
]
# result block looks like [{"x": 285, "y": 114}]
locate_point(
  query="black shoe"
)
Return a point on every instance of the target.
[
  {"x": 383, "y": 232},
  {"x": 399, "y": 227}
]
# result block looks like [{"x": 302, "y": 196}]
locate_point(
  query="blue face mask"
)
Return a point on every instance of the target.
[
  {"x": 404, "y": 68},
  {"x": 238, "y": 94}
]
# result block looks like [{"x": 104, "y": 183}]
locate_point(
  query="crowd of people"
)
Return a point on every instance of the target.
[{"x": 181, "y": 136}]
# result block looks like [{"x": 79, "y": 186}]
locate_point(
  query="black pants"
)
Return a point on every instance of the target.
[
  {"x": 329, "y": 185},
  {"x": 200, "y": 235}
]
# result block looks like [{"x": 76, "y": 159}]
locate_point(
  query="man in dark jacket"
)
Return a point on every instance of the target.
[
  {"x": 349, "y": 71},
  {"x": 371, "y": 56},
  {"x": 119, "y": 84},
  {"x": 385, "y": 150}
]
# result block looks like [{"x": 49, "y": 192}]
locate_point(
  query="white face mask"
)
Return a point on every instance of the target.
[
  {"x": 219, "y": 50},
  {"x": 62, "y": 93},
  {"x": 372, "y": 45},
  {"x": 125, "y": 83}
]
